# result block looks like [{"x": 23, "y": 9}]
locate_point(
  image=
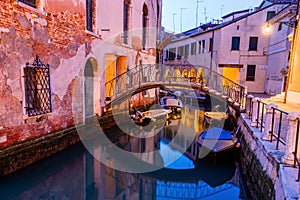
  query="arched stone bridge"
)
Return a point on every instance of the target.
[{"x": 145, "y": 77}]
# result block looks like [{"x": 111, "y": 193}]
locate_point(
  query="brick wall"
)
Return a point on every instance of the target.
[{"x": 55, "y": 36}]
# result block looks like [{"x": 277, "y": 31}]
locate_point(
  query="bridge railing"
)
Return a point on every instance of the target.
[{"x": 202, "y": 75}]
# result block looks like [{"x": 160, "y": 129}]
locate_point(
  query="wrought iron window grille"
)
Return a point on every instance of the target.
[{"x": 37, "y": 88}]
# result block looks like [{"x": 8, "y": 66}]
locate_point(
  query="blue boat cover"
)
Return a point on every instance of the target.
[{"x": 216, "y": 133}]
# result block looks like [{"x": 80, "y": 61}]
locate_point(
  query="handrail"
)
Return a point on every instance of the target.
[{"x": 260, "y": 124}]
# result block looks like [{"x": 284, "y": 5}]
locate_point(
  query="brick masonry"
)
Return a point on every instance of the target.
[{"x": 54, "y": 36}]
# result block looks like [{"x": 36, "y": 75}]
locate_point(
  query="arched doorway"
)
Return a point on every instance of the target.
[
  {"x": 89, "y": 87},
  {"x": 192, "y": 75}
]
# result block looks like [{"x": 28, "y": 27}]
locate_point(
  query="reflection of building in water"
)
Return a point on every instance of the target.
[
  {"x": 192, "y": 118},
  {"x": 102, "y": 182}
]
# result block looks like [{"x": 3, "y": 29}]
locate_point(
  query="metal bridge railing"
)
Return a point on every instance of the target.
[{"x": 143, "y": 74}]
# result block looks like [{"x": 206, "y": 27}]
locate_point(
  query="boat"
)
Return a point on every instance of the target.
[
  {"x": 156, "y": 116},
  {"x": 218, "y": 141},
  {"x": 212, "y": 118},
  {"x": 171, "y": 102}
]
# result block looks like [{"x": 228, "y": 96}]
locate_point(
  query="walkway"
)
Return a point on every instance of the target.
[{"x": 278, "y": 100}]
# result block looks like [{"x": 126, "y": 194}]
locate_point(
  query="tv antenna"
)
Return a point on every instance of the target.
[
  {"x": 197, "y": 11},
  {"x": 205, "y": 15}
]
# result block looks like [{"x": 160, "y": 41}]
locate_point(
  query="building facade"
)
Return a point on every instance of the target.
[
  {"x": 236, "y": 48},
  {"x": 293, "y": 88},
  {"x": 56, "y": 57}
]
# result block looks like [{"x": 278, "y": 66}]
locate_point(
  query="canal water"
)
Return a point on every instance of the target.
[{"x": 75, "y": 174}]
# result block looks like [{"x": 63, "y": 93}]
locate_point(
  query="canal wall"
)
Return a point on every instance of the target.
[
  {"x": 266, "y": 176},
  {"x": 22, "y": 154},
  {"x": 25, "y": 153}
]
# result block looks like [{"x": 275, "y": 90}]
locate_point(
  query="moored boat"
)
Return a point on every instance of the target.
[
  {"x": 156, "y": 116},
  {"x": 218, "y": 141}
]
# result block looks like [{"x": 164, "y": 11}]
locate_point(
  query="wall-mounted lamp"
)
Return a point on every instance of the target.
[{"x": 267, "y": 28}]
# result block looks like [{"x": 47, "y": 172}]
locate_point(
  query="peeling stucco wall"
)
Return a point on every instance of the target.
[{"x": 60, "y": 40}]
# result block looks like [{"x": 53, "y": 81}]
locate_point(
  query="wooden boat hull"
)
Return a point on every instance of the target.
[{"x": 217, "y": 142}]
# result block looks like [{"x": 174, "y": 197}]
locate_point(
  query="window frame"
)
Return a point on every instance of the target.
[
  {"x": 203, "y": 46},
  {"x": 89, "y": 15},
  {"x": 234, "y": 47},
  {"x": 126, "y": 16},
  {"x": 180, "y": 52},
  {"x": 193, "y": 48},
  {"x": 32, "y": 3},
  {"x": 253, "y": 46},
  {"x": 37, "y": 93},
  {"x": 250, "y": 75},
  {"x": 200, "y": 47},
  {"x": 211, "y": 44},
  {"x": 186, "y": 50},
  {"x": 270, "y": 15}
]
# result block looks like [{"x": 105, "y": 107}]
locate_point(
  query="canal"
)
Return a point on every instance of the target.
[{"x": 74, "y": 173}]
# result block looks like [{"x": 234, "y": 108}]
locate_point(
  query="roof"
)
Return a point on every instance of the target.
[
  {"x": 283, "y": 1},
  {"x": 289, "y": 11},
  {"x": 236, "y": 12},
  {"x": 233, "y": 21}
]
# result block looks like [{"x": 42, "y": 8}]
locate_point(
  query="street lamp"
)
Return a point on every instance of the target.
[
  {"x": 174, "y": 21},
  {"x": 181, "y": 9},
  {"x": 267, "y": 28}
]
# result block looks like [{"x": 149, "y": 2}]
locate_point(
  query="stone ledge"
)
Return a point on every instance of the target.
[
  {"x": 23, "y": 154},
  {"x": 286, "y": 186},
  {"x": 283, "y": 176}
]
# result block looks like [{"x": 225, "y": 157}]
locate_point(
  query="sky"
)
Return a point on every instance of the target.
[{"x": 186, "y": 10}]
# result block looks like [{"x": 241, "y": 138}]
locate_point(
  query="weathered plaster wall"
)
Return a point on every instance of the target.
[{"x": 60, "y": 40}]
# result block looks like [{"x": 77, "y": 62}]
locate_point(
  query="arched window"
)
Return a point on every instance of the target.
[
  {"x": 126, "y": 20},
  {"x": 145, "y": 25}
]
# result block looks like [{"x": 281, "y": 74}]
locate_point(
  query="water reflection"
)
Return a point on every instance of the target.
[{"x": 75, "y": 174}]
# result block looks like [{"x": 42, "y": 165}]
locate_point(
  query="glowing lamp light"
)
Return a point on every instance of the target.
[{"x": 267, "y": 28}]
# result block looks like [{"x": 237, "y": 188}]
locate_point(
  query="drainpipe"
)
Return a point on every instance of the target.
[{"x": 212, "y": 52}]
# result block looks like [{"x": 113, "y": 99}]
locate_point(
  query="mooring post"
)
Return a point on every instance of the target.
[
  {"x": 254, "y": 111},
  {"x": 291, "y": 138},
  {"x": 269, "y": 122},
  {"x": 248, "y": 105}
]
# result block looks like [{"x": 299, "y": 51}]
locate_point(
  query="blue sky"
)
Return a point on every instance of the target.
[{"x": 213, "y": 9}]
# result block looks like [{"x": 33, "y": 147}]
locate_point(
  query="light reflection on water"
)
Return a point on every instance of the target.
[{"x": 75, "y": 174}]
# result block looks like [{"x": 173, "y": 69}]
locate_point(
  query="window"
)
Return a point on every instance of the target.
[
  {"x": 172, "y": 53},
  {"x": 186, "y": 51},
  {"x": 250, "y": 73},
  {"x": 126, "y": 15},
  {"x": 235, "y": 44},
  {"x": 253, "y": 43},
  {"x": 279, "y": 26},
  {"x": 193, "y": 48},
  {"x": 167, "y": 55},
  {"x": 144, "y": 25},
  {"x": 37, "y": 88},
  {"x": 200, "y": 47},
  {"x": 203, "y": 46},
  {"x": 211, "y": 43},
  {"x": 180, "y": 52},
  {"x": 89, "y": 15},
  {"x": 29, "y": 2},
  {"x": 270, "y": 14}
]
